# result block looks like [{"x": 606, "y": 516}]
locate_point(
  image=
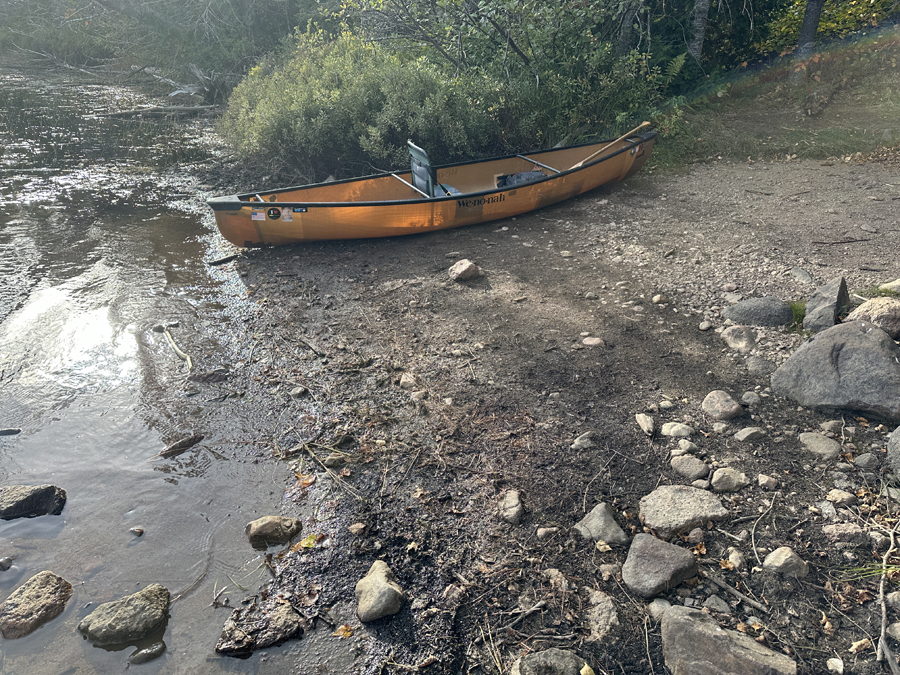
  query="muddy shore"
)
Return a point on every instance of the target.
[{"x": 504, "y": 383}]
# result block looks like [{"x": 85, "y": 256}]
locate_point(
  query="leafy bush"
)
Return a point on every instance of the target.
[{"x": 344, "y": 107}]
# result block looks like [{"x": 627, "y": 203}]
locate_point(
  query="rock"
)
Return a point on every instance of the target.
[
  {"x": 408, "y": 381},
  {"x": 583, "y": 442},
  {"x": 465, "y": 270},
  {"x": 767, "y": 311},
  {"x": 826, "y": 304},
  {"x": 690, "y": 467},
  {"x": 767, "y": 482},
  {"x": 645, "y": 422},
  {"x": 546, "y": 532},
  {"x": 269, "y": 530},
  {"x": 891, "y": 286},
  {"x": 737, "y": 559},
  {"x": 836, "y": 665},
  {"x": 551, "y": 662},
  {"x": 29, "y": 501},
  {"x": 34, "y": 603},
  {"x": 759, "y": 367},
  {"x": 672, "y": 509},
  {"x": 853, "y": 366},
  {"x": 704, "y": 325},
  {"x": 600, "y": 525},
  {"x": 258, "y": 627},
  {"x": 785, "y": 562},
  {"x": 654, "y": 566},
  {"x": 659, "y": 299},
  {"x": 882, "y": 312},
  {"x": 801, "y": 275},
  {"x": 841, "y": 497},
  {"x": 849, "y": 533},
  {"x": 657, "y": 608},
  {"x": 593, "y": 342},
  {"x": 867, "y": 462},
  {"x": 378, "y": 594},
  {"x": 727, "y": 479},
  {"x": 128, "y": 619},
  {"x": 716, "y": 604},
  {"x": 750, "y": 399},
  {"x": 676, "y": 429},
  {"x": 749, "y": 434},
  {"x": 739, "y": 338},
  {"x": 511, "y": 509},
  {"x": 893, "y": 450},
  {"x": 147, "y": 654},
  {"x": 356, "y": 529},
  {"x": 719, "y": 405},
  {"x": 5, "y": 563},
  {"x": 826, "y": 449},
  {"x": 694, "y": 643},
  {"x": 601, "y": 617}
]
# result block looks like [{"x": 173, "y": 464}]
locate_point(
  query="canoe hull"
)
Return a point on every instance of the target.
[{"x": 350, "y": 210}]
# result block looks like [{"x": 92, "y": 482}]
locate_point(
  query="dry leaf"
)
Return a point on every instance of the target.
[
  {"x": 860, "y": 646},
  {"x": 742, "y": 627},
  {"x": 346, "y": 471},
  {"x": 309, "y": 542},
  {"x": 864, "y": 596},
  {"x": 305, "y": 481},
  {"x": 827, "y": 626},
  {"x": 726, "y": 564},
  {"x": 343, "y": 632},
  {"x": 699, "y": 549},
  {"x": 602, "y": 546}
]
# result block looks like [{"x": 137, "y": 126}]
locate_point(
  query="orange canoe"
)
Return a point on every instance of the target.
[{"x": 427, "y": 198}]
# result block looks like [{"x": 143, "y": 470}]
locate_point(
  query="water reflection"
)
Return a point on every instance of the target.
[{"x": 92, "y": 256}]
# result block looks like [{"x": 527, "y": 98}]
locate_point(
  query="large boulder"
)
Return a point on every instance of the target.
[
  {"x": 693, "y": 643},
  {"x": 826, "y": 304},
  {"x": 883, "y": 312},
  {"x": 34, "y": 603},
  {"x": 852, "y": 366},
  {"x": 128, "y": 619},
  {"x": 29, "y": 501}
]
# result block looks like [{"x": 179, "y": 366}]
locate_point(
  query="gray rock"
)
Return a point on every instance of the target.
[
  {"x": 826, "y": 304},
  {"x": 128, "y": 619},
  {"x": 826, "y": 449},
  {"x": 654, "y": 566},
  {"x": 29, "y": 501},
  {"x": 767, "y": 311},
  {"x": 690, "y": 467},
  {"x": 882, "y": 312},
  {"x": 258, "y": 627},
  {"x": 717, "y": 604},
  {"x": 759, "y": 367},
  {"x": 268, "y": 530},
  {"x": 867, "y": 462},
  {"x": 841, "y": 497},
  {"x": 584, "y": 441},
  {"x": 672, "y": 509},
  {"x": 600, "y": 525},
  {"x": 750, "y": 398},
  {"x": 802, "y": 275},
  {"x": 378, "y": 594},
  {"x": 785, "y": 562},
  {"x": 719, "y": 405},
  {"x": 891, "y": 286},
  {"x": 549, "y": 662},
  {"x": 767, "y": 482},
  {"x": 853, "y": 366},
  {"x": 739, "y": 338},
  {"x": 850, "y": 533},
  {"x": 464, "y": 270},
  {"x": 147, "y": 654},
  {"x": 676, "y": 430},
  {"x": 511, "y": 509},
  {"x": 694, "y": 644},
  {"x": 749, "y": 434},
  {"x": 727, "y": 479},
  {"x": 893, "y": 451},
  {"x": 34, "y": 603},
  {"x": 602, "y": 618},
  {"x": 657, "y": 608},
  {"x": 645, "y": 422}
]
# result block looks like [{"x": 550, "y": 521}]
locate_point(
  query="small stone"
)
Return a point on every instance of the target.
[
  {"x": 687, "y": 447},
  {"x": 147, "y": 654},
  {"x": 767, "y": 482},
  {"x": 378, "y": 594},
  {"x": 690, "y": 467},
  {"x": 645, "y": 422},
  {"x": 465, "y": 270},
  {"x": 408, "y": 381},
  {"x": 546, "y": 532},
  {"x": 137, "y": 531},
  {"x": 737, "y": 559},
  {"x": 676, "y": 429},
  {"x": 657, "y": 608},
  {"x": 298, "y": 392},
  {"x": 787, "y": 563},
  {"x": 704, "y": 325},
  {"x": 583, "y": 442},
  {"x": 841, "y": 497},
  {"x": 719, "y": 405},
  {"x": 749, "y": 434},
  {"x": 357, "y": 529},
  {"x": 5, "y": 563},
  {"x": 728, "y": 480},
  {"x": 739, "y": 338},
  {"x": 268, "y": 530},
  {"x": 593, "y": 342},
  {"x": 659, "y": 299},
  {"x": 750, "y": 399}
]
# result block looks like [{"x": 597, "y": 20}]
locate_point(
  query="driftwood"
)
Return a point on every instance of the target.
[
  {"x": 160, "y": 111},
  {"x": 179, "y": 446}
]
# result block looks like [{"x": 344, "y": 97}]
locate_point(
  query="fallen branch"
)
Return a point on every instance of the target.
[
  {"x": 184, "y": 357},
  {"x": 735, "y": 592},
  {"x": 883, "y": 652},
  {"x": 524, "y": 615}
]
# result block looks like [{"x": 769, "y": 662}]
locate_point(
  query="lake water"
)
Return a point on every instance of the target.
[{"x": 103, "y": 237}]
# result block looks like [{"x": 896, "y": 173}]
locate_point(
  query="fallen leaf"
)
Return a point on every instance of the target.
[
  {"x": 343, "y": 632},
  {"x": 742, "y": 627},
  {"x": 860, "y": 646},
  {"x": 602, "y": 546},
  {"x": 726, "y": 564},
  {"x": 310, "y": 541},
  {"x": 346, "y": 471},
  {"x": 305, "y": 481},
  {"x": 699, "y": 549}
]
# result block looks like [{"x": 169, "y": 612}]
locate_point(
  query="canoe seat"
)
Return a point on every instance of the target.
[{"x": 424, "y": 177}]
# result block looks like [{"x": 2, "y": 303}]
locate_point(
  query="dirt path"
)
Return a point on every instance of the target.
[{"x": 503, "y": 384}]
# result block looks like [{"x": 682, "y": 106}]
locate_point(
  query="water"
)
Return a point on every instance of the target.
[{"x": 93, "y": 256}]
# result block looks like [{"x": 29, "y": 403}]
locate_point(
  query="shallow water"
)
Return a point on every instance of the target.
[{"x": 101, "y": 240}]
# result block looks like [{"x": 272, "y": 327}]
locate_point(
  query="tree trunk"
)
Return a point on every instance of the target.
[
  {"x": 626, "y": 29},
  {"x": 701, "y": 16},
  {"x": 808, "y": 28}
]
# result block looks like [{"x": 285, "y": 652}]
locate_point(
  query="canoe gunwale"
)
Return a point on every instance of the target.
[{"x": 236, "y": 202}]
